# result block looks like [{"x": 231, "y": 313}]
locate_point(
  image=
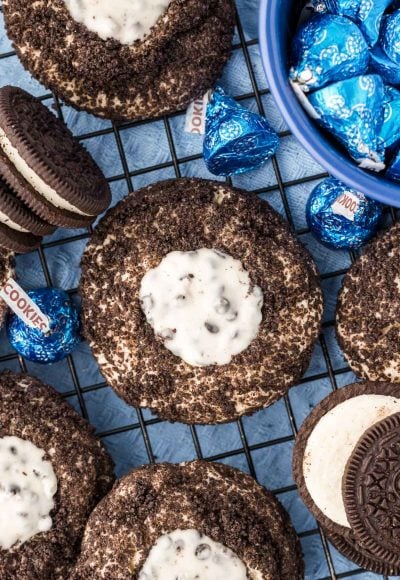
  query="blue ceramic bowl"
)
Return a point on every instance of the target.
[{"x": 277, "y": 25}]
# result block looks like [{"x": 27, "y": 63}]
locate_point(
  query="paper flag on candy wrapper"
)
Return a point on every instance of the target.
[
  {"x": 327, "y": 48},
  {"x": 352, "y": 111},
  {"x": 237, "y": 140},
  {"x": 62, "y": 322},
  {"x": 340, "y": 217},
  {"x": 23, "y": 306}
]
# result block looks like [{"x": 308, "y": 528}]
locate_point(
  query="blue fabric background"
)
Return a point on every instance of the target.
[{"x": 269, "y": 433}]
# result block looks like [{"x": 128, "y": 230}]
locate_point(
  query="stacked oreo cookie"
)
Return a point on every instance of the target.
[
  {"x": 347, "y": 468},
  {"x": 47, "y": 179}
]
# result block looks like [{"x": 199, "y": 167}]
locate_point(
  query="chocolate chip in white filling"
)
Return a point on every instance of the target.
[
  {"x": 205, "y": 308},
  {"x": 191, "y": 555},
  {"x": 27, "y": 488}
]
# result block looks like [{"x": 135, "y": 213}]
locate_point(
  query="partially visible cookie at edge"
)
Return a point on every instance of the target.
[
  {"x": 44, "y": 440},
  {"x": 138, "y": 525},
  {"x": 323, "y": 457},
  {"x": 177, "y": 59},
  {"x": 368, "y": 311}
]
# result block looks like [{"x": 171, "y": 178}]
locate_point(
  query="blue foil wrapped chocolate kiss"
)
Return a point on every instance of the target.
[
  {"x": 347, "y": 8},
  {"x": 64, "y": 335},
  {"x": 367, "y": 14},
  {"x": 325, "y": 49},
  {"x": 340, "y": 217},
  {"x": 390, "y": 37},
  {"x": 381, "y": 64},
  {"x": 390, "y": 130},
  {"x": 393, "y": 171},
  {"x": 236, "y": 140},
  {"x": 352, "y": 111}
]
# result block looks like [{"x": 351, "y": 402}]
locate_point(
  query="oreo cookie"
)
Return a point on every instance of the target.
[
  {"x": 371, "y": 491},
  {"x": 134, "y": 61},
  {"x": 342, "y": 467},
  {"x": 186, "y": 520},
  {"x": 45, "y": 166},
  {"x": 191, "y": 291},
  {"x": 368, "y": 311},
  {"x": 21, "y": 230}
]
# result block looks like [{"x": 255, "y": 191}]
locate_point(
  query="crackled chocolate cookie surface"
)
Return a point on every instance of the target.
[
  {"x": 222, "y": 511},
  {"x": 128, "y": 63},
  {"x": 53, "y": 471},
  {"x": 162, "y": 341},
  {"x": 368, "y": 314}
]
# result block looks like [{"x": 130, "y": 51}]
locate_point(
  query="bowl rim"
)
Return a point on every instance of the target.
[{"x": 301, "y": 125}]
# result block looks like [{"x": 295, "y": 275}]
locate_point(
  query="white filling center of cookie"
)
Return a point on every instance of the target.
[
  {"x": 188, "y": 555},
  {"x": 27, "y": 486},
  {"x": 33, "y": 178},
  {"x": 203, "y": 305},
  {"x": 331, "y": 444},
  {"x": 123, "y": 20}
]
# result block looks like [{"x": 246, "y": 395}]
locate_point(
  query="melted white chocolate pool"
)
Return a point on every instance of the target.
[
  {"x": 189, "y": 555},
  {"x": 122, "y": 20},
  {"x": 27, "y": 486},
  {"x": 203, "y": 305}
]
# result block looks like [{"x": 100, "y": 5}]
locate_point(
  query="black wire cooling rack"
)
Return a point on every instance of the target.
[{"x": 332, "y": 373}]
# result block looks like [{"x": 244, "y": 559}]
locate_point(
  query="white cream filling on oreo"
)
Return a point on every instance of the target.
[
  {"x": 27, "y": 487},
  {"x": 331, "y": 444},
  {"x": 123, "y": 20},
  {"x": 203, "y": 305},
  {"x": 189, "y": 555},
  {"x": 33, "y": 178},
  {"x": 4, "y": 219}
]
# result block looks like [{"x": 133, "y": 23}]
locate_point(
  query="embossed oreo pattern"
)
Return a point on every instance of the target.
[
  {"x": 217, "y": 500},
  {"x": 371, "y": 489},
  {"x": 177, "y": 62},
  {"x": 182, "y": 215}
]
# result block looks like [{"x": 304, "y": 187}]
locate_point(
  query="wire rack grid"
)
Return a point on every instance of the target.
[{"x": 262, "y": 444}]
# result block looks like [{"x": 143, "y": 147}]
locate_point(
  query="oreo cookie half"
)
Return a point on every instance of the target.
[
  {"x": 45, "y": 165},
  {"x": 371, "y": 491},
  {"x": 324, "y": 450}
]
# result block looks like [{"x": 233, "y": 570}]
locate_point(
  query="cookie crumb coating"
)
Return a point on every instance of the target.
[
  {"x": 368, "y": 312},
  {"x": 216, "y": 500},
  {"x": 36, "y": 412},
  {"x": 178, "y": 61},
  {"x": 183, "y": 215}
]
